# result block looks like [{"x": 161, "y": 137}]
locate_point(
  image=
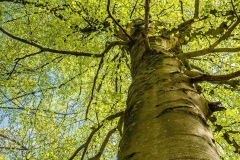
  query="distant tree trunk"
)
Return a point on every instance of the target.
[{"x": 165, "y": 117}]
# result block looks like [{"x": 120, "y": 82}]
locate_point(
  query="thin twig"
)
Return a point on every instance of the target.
[
  {"x": 133, "y": 9},
  {"x": 13, "y": 140},
  {"x": 41, "y": 90},
  {"x": 28, "y": 55},
  {"x": 85, "y": 145},
  {"x": 93, "y": 86},
  {"x": 112, "y": 44}
]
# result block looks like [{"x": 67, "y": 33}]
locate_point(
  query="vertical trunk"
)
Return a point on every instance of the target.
[{"x": 165, "y": 116}]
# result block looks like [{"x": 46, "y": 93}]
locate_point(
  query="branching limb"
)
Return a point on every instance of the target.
[
  {"x": 39, "y": 91},
  {"x": 235, "y": 12},
  {"x": 205, "y": 52},
  {"x": 182, "y": 28},
  {"x": 147, "y": 10},
  {"x": 206, "y": 77},
  {"x": 27, "y": 94},
  {"x": 18, "y": 59},
  {"x": 28, "y": 55},
  {"x": 12, "y": 148},
  {"x": 120, "y": 125},
  {"x": 104, "y": 144},
  {"x": 110, "y": 15},
  {"x": 233, "y": 83},
  {"x": 93, "y": 87},
  {"x": 181, "y": 6},
  {"x": 231, "y": 142},
  {"x": 14, "y": 141},
  {"x": 226, "y": 134},
  {"x": 225, "y": 35},
  {"x": 133, "y": 9},
  {"x": 85, "y": 145},
  {"x": 196, "y": 12},
  {"x": 44, "y": 110},
  {"x": 96, "y": 76},
  {"x": 44, "y": 49}
]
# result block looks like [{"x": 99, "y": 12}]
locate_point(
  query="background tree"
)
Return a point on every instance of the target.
[{"x": 65, "y": 70}]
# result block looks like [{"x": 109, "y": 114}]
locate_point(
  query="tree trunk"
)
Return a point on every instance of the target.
[{"x": 166, "y": 118}]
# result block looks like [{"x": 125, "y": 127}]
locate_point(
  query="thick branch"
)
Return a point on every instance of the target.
[
  {"x": 196, "y": 12},
  {"x": 75, "y": 53},
  {"x": 147, "y": 10},
  {"x": 206, "y": 51},
  {"x": 206, "y": 77}
]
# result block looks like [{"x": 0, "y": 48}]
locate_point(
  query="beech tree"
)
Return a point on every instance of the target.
[{"x": 119, "y": 79}]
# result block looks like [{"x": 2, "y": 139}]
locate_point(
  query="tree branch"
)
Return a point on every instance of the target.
[
  {"x": 40, "y": 90},
  {"x": 196, "y": 12},
  {"x": 104, "y": 144},
  {"x": 206, "y": 51},
  {"x": 226, "y": 35},
  {"x": 93, "y": 87},
  {"x": 226, "y": 135},
  {"x": 12, "y": 148},
  {"x": 75, "y": 53},
  {"x": 110, "y": 15},
  {"x": 235, "y": 12},
  {"x": 44, "y": 110},
  {"x": 181, "y": 6},
  {"x": 85, "y": 145},
  {"x": 28, "y": 55},
  {"x": 96, "y": 75},
  {"x": 133, "y": 9},
  {"x": 232, "y": 142},
  {"x": 147, "y": 10},
  {"x": 15, "y": 141},
  {"x": 206, "y": 77}
]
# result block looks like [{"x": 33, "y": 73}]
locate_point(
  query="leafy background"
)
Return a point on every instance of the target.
[{"x": 45, "y": 94}]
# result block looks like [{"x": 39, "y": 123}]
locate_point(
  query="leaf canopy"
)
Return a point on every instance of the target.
[{"x": 56, "y": 65}]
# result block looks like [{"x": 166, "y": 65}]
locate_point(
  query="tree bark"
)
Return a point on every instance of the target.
[{"x": 166, "y": 118}]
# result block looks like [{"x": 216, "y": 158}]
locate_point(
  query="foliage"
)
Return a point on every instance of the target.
[{"x": 64, "y": 80}]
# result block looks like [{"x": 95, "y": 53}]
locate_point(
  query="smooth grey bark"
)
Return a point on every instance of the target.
[{"x": 166, "y": 118}]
